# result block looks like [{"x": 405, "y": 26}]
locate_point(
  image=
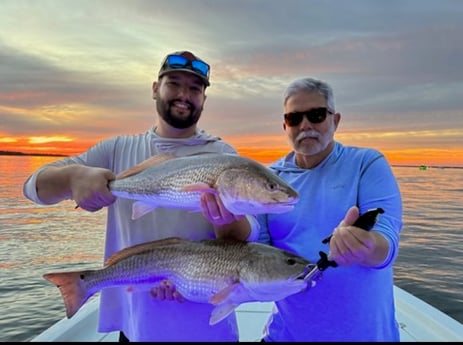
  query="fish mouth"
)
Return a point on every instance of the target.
[
  {"x": 248, "y": 206},
  {"x": 282, "y": 207},
  {"x": 291, "y": 201}
]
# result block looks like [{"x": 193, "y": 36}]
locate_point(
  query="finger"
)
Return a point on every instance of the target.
[
  {"x": 339, "y": 246},
  {"x": 168, "y": 290},
  {"x": 109, "y": 175},
  {"x": 89, "y": 206},
  {"x": 105, "y": 199},
  {"x": 204, "y": 205},
  {"x": 220, "y": 206},
  {"x": 157, "y": 293},
  {"x": 351, "y": 216},
  {"x": 227, "y": 216},
  {"x": 153, "y": 293},
  {"x": 178, "y": 297},
  {"x": 210, "y": 207},
  {"x": 96, "y": 202},
  {"x": 219, "y": 213}
]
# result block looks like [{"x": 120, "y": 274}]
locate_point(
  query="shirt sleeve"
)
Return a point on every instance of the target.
[
  {"x": 30, "y": 185},
  {"x": 263, "y": 235},
  {"x": 385, "y": 194},
  {"x": 95, "y": 156},
  {"x": 30, "y": 189}
]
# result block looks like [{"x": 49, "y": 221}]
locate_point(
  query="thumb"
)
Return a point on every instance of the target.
[
  {"x": 351, "y": 216},
  {"x": 109, "y": 175}
]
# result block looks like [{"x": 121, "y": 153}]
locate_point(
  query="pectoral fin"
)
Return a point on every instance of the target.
[
  {"x": 226, "y": 300},
  {"x": 221, "y": 312},
  {"x": 198, "y": 187},
  {"x": 225, "y": 294},
  {"x": 140, "y": 208}
]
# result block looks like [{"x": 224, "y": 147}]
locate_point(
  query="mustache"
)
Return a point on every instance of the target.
[
  {"x": 190, "y": 105},
  {"x": 307, "y": 134}
]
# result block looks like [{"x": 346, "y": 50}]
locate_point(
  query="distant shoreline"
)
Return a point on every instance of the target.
[
  {"x": 425, "y": 167},
  {"x": 13, "y": 153}
]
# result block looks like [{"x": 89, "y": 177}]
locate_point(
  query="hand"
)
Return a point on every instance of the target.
[
  {"x": 89, "y": 187},
  {"x": 214, "y": 210},
  {"x": 352, "y": 245},
  {"x": 166, "y": 291}
]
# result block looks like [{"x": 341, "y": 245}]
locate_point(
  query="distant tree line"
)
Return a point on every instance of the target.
[{"x": 13, "y": 153}]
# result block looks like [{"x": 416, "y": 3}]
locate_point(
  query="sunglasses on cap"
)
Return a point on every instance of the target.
[
  {"x": 179, "y": 61},
  {"x": 316, "y": 115}
]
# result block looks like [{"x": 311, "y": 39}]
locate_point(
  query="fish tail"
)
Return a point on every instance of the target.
[{"x": 72, "y": 289}]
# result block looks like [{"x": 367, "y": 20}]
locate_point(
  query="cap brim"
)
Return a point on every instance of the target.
[{"x": 199, "y": 75}]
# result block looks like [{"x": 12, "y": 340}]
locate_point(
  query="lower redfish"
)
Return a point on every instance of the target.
[
  {"x": 244, "y": 185},
  {"x": 222, "y": 272}
]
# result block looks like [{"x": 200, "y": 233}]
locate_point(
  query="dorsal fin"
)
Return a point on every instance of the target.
[
  {"x": 155, "y": 160},
  {"x": 139, "y": 248}
]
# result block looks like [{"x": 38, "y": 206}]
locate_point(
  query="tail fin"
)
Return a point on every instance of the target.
[{"x": 72, "y": 288}]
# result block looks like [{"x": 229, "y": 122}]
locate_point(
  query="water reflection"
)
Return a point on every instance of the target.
[{"x": 38, "y": 239}]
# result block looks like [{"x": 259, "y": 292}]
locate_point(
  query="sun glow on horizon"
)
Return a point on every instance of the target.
[
  {"x": 45, "y": 139},
  {"x": 263, "y": 148},
  {"x": 8, "y": 140},
  {"x": 54, "y": 144}
]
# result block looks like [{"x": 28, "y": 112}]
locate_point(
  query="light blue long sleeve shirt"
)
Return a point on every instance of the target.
[{"x": 349, "y": 303}]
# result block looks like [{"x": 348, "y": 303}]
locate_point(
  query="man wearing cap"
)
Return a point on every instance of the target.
[{"x": 179, "y": 93}]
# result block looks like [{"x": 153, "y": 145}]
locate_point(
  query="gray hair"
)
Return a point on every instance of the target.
[{"x": 311, "y": 85}]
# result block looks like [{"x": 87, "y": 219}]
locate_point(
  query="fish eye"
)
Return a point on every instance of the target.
[
  {"x": 272, "y": 186},
  {"x": 291, "y": 261}
]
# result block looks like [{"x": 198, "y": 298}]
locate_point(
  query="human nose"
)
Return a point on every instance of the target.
[
  {"x": 183, "y": 92},
  {"x": 306, "y": 124}
]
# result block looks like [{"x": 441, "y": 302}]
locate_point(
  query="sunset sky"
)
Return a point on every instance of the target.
[{"x": 73, "y": 72}]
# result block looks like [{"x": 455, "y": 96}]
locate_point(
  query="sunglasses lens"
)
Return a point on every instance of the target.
[
  {"x": 293, "y": 119},
  {"x": 201, "y": 67},
  {"x": 317, "y": 115},
  {"x": 177, "y": 61}
]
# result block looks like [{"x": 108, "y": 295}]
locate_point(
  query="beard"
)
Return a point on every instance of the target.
[
  {"x": 165, "y": 111},
  {"x": 316, "y": 145}
]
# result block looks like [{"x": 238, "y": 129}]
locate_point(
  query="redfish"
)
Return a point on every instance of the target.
[
  {"x": 245, "y": 186},
  {"x": 222, "y": 272}
]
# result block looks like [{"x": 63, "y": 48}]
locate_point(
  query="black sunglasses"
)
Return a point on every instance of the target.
[{"x": 316, "y": 115}]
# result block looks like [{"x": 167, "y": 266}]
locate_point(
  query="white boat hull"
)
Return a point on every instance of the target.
[{"x": 419, "y": 322}]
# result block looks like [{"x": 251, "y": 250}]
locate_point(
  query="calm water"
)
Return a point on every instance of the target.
[{"x": 36, "y": 239}]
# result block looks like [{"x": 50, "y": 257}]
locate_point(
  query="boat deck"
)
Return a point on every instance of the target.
[{"x": 419, "y": 322}]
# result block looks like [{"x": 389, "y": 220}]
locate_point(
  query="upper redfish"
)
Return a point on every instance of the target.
[
  {"x": 222, "y": 272},
  {"x": 244, "y": 185}
]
